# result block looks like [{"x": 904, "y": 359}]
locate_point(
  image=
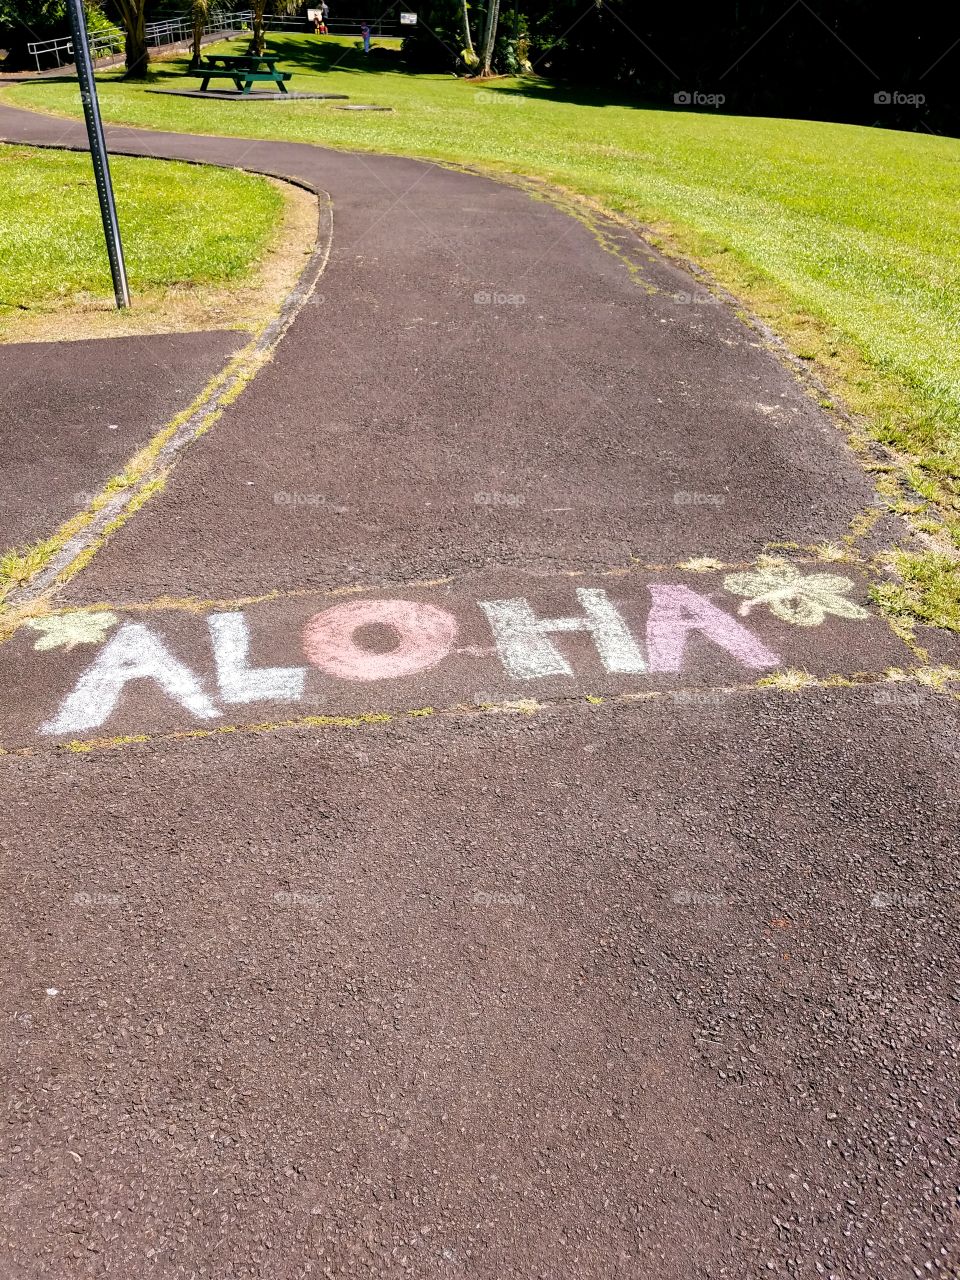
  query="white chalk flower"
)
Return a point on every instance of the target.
[{"x": 804, "y": 600}]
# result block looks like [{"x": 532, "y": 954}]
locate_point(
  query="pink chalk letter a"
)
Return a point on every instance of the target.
[{"x": 677, "y": 611}]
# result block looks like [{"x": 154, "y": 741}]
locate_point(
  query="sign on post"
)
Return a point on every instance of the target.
[
  {"x": 408, "y": 19},
  {"x": 98, "y": 151}
]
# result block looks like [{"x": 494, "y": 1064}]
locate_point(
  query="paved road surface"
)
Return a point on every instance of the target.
[
  {"x": 74, "y": 412},
  {"x": 418, "y": 859}
]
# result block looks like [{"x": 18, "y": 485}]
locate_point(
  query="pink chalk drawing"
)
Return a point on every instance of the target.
[
  {"x": 425, "y": 635},
  {"x": 677, "y": 611}
]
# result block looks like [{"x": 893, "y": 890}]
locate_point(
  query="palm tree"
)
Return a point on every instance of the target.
[
  {"x": 468, "y": 53},
  {"x": 133, "y": 15},
  {"x": 199, "y": 12},
  {"x": 489, "y": 38},
  {"x": 258, "y": 44}
]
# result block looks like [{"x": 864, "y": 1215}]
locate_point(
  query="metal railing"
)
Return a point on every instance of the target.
[
  {"x": 171, "y": 30},
  {"x": 336, "y": 26},
  {"x": 111, "y": 39}
]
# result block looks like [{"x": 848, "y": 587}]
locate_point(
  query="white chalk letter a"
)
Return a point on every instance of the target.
[
  {"x": 528, "y": 654},
  {"x": 133, "y": 653}
]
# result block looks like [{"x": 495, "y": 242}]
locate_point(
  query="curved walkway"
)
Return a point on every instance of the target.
[{"x": 435, "y": 874}]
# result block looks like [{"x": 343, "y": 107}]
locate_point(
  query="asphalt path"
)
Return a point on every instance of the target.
[
  {"x": 465, "y": 824},
  {"x": 74, "y": 412}
]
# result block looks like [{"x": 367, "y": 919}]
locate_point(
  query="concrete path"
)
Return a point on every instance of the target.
[{"x": 424, "y": 862}]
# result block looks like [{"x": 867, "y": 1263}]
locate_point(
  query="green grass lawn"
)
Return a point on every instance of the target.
[
  {"x": 52, "y": 237},
  {"x": 846, "y": 239}
]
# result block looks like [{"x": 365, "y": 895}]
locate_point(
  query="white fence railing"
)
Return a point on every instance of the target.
[
  {"x": 110, "y": 40},
  {"x": 181, "y": 28},
  {"x": 336, "y": 26}
]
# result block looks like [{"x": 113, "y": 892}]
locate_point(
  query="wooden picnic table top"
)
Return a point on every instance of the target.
[{"x": 244, "y": 61}]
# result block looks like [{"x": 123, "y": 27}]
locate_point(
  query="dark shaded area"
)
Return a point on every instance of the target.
[{"x": 850, "y": 61}]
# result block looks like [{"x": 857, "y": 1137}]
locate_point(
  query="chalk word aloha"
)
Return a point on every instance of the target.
[{"x": 423, "y": 636}]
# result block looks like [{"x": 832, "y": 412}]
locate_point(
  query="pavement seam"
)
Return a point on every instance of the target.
[
  {"x": 815, "y": 555},
  {"x": 78, "y": 539},
  {"x": 784, "y": 683}
]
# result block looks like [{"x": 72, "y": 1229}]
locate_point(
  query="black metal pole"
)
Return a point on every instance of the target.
[{"x": 98, "y": 151}]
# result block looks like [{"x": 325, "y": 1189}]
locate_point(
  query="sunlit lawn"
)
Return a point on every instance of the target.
[{"x": 52, "y": 236}]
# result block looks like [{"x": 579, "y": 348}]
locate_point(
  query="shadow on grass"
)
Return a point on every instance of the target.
[{"x": 321, "y": 56}]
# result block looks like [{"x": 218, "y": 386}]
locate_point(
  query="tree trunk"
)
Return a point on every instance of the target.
[
  {"x": 258, "y": 44},
  {"x": 490, "y": 38},
  {"x": 136, "y": 54},
  {"x": 199, "y": 14},
  {"x": 468, "y": 38}
]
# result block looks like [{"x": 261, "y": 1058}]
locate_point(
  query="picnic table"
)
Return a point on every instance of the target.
[{"x": 243, "y": 69}]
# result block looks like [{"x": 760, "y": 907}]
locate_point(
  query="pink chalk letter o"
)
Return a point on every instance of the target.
[{"x": 425, "y": 635}]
